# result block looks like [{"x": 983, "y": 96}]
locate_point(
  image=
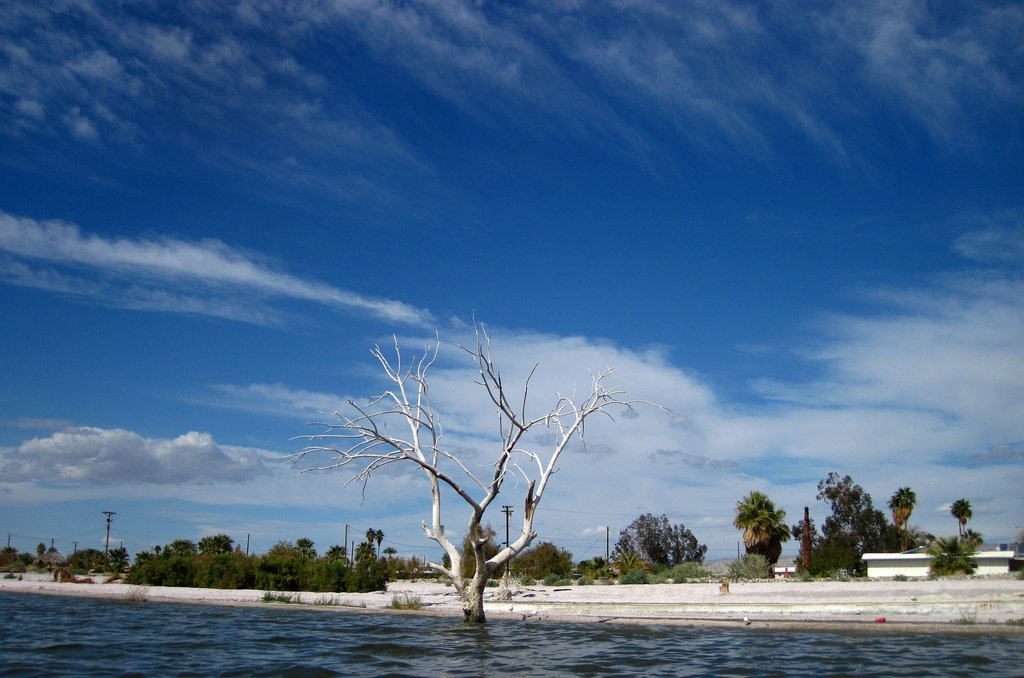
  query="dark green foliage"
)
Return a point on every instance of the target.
[
  {"x": 635, "y": 577},
  {"x": 369, "y": 577},
  {"x": 181, "y": 547},
  {"x": 230, "y": 570},
  {"x": 87, "y": 559},
  {"x": 855, "y": 527},
  {"x": 543, "y": 560},
  {"x": 305, "y": 548},
  {"x": 485, "y": 538},
  {"x": 165, "y": 570},
  {"x": 218, "y": 543},
  {"x": 330, "y": 575},
  {"x": 285, "y": 567},
  {"x": 951, "y": 555},
  {"x": 278, "y": 571},
  {"x": 118, "y": 559},
  {"x": 660, "y": 543}
]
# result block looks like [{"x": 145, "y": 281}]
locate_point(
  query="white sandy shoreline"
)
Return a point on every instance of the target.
[{"x": 974, "y": 605}]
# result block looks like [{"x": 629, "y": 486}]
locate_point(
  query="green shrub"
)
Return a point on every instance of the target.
[
  {"x": 750, "y": 566},
  {"x": 552, "y": 580},
  {"x": 527, "y": 580},
  {"x": 280, "y": 572},
  {"x": 273, "y": 597},
  {"x": 635, "y": 577},
  {"x": 405, "y": 602},
  {"x": 330, "y": 575},
  {"x": 585, "y": 581},
  {"x": 900, "y": 577},
  {"x": 683, "y": 572},
  {"x": 231, "y": 570}
]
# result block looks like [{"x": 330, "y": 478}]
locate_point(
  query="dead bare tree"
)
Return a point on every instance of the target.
[{"x": 364, "y": 442}]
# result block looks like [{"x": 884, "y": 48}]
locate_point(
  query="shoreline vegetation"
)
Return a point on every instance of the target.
[{"x": 975, "y": 604}]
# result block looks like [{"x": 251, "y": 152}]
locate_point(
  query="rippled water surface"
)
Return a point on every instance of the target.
[{"x": 58, "y": 636}]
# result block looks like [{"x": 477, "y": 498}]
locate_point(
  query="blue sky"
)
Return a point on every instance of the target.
[{"x": 800, "y": 229}]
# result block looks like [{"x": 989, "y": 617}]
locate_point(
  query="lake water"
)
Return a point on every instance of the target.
[{"x": 43, "y": 635}]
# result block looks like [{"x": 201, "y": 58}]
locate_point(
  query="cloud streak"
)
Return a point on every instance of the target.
[
  {"x": 636, "y": 77},
  {"x": 206, "y": 277}
]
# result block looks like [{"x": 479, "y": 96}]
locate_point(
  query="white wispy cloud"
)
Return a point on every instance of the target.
[
  {"x": 168, "y": 274},
  {"x": 634, "y": 77}
]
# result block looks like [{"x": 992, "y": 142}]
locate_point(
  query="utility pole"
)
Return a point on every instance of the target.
[
  {"x": 106, "y": 549},
  {"x": 76, "y": 547},
  {"x": 507, "y": 510},
  {"x": 347, "y": 554},
  {"x": 607, "y": 543}
]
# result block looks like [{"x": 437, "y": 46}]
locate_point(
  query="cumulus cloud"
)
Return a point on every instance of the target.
[
  {"x": 923, "y": 391},
  {"x": 96, "y": 456},
  {"x": 167, "y": 274}
]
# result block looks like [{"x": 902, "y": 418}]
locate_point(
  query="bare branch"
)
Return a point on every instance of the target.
[{"x": 362, "y": 443}]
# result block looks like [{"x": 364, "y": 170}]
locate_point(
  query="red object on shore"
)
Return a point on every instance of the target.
[{"x": 880, "y": 620}]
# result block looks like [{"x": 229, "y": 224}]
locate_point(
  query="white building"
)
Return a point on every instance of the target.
[{"x": 991, "y": 559}]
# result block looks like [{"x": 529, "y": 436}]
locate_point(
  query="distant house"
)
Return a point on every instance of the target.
[{"x": 991, "y": 559}]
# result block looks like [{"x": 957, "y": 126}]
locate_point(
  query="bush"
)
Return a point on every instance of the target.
[
  {"x": 750, "y": 566},
  {"x": 635, "y": 577},
  {"x": 585, "y": 581},
  {"x": 527, "y": 580},
  {"x": 280, "y": 572},
  {"x": 552, "y": 580},
  {"x": 543, "y": 560},
  {"x": 688, "y": 570},
  {"x": 225, "y": 571},
  {"x": 330, "y": 575}
]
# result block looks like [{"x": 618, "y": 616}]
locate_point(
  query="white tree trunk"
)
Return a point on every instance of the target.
[{"x": 366, "y": 445}]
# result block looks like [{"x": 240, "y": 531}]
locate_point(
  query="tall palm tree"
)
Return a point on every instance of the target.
[
  {"x": 961, "y": 510},
  {"x": 902, "y": 505},
  {"x": 373, "y": 535},
  {"x": 764, "y": 526}
]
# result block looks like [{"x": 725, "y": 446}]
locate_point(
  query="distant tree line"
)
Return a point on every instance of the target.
[
  {"x": 853, "y": 528},
  {"x": 287, "y": 566}
]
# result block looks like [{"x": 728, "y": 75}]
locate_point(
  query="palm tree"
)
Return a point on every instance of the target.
[
  {"x": 305, "y": 549},
  {"x": 630, "y": 560},
  {"x": 218, "y": 543},
  {"x": 336, "y": 552},
  {"x": 972, "y": 537},
  {"x": 764, "y": 526},
  {"x": 951, "y": 555},
  {"x": 961, "y": 510},
  {"x": 902, "y": 505},
  {"x": 596, "y": 567}
]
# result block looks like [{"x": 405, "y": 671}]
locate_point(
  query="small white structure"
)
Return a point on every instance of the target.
[{"x": 914, "y": 563}]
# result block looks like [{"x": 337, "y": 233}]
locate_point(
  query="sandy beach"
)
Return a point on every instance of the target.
[{"x": 976, "y": 604}]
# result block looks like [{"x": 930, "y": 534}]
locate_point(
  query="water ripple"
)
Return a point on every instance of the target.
[{"x": 57, "y": 636}]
